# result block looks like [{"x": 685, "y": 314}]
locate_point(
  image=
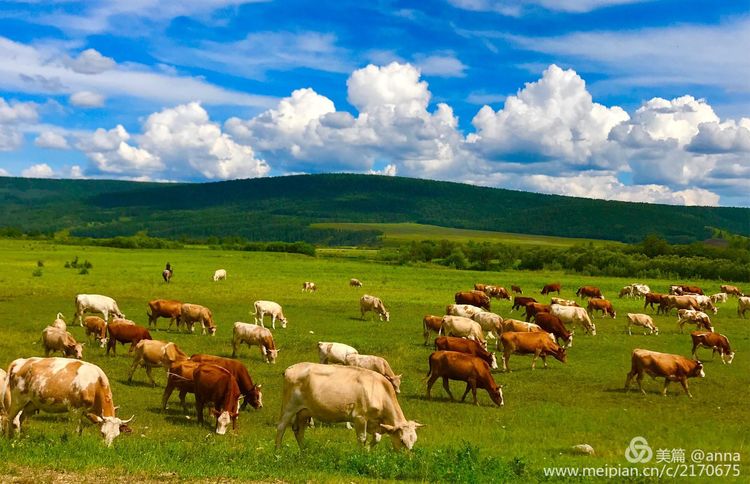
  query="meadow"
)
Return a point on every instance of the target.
[{"x": 546, "y": 412}]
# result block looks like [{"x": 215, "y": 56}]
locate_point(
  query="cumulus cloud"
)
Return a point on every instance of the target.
[
  {"x": 51, "y": 140},
  {"x": 111, "y": 153},
  {"x": 41, "y": 170},
  {"x": 12, "y": 115},
  {"x": 87, "y": 99},
  {"x": 90, "y": 61}
]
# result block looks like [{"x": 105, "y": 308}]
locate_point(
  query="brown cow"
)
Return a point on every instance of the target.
[
  {"x": 691, "y": 289},
  {"x": 463, "y": 345},
  {"x": 475, "y": 298},
  {"x": 516, "y": 289},
  {"x": 498, "y": 292},
  {"x": 249, "y": 390},
  {"x": 678, "y": 302},
  {"x": 179, "y": 376},
  {"x": 214, "y": 384},
  {"x": 596, "y": 304},
  {"x": 554, "y": 326},
  {"x": 164, "y": 308},
  {"x": 589, "y": 291},
  {"x": 431, "y": 324},
  {"x": 55, "y": 339},
  {"x": 195, "y": 313},
  {"x": 714, "y": 341},
  {"x": 125, "y": 333},
  {"x": 732, "y": 290},
  {"x": 539, "y": 344},
  {"x": 521, "y": 301},
  {"x": 97, "y": 327},
  {"x": 534, "y": 308},
  {"x": 461, "y": 366},
  {"x": 479, "y": 287},
  {"x": 154, "y": 353},
  {"x": 550, "y": 288},
  {"x": 658, "y": 365},
  {"x": 652, "y": 298}
]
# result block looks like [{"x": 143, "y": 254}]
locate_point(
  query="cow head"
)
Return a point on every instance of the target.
[
  {"x": 698, "y": 370},
  {"x": 74, "y": 350},
  {"x": 110, "y": 427},
  {"x": 387, "y": 315},
  {"x": 728, "y": 358},
  {"x": 103, "y": 342},
  {"x": 496, "y": 395},
  {"x": 254, "y": 397},
  {"x": 593, "y": 329},
  {"x": 271, "y": 354},
  {"x": 396, "y": 382},
  {"x": 283, "y": 322},
  {"x": 561, "y": 354},
  {"x": 223, "y": 419},
  {"x": 493, "y": 361},
  {"x": 569, "y": 343},
  {"x": 402, "y": 435}
]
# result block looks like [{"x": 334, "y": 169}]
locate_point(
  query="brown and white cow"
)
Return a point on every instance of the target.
[
  {"x": 125, "y": 333},
  {"x": 715, "y": 342},
  {"x": 691, "y": 316},
  {"x": 554, "y": 326},
  {"x": 59, "y": 385},
  {"x": 164, "y": 308},
  {"x": 371, "y": 303},
  {"x": 254, "y": 335},
  {"x": 521, "y": 302},
  {"x": 572, "y": 315},
  {"x": 563, "y": 302},
  {"x": 491, "y": 323},
  {"x": 636, "y": 319},
  {"x": 663, "y": 365},
  {"x": 603, "y": 305},
  {"x": 54, "y": 339},
  {"x": 589, "y": 291},
  {"x": 550, "y": 288},
  {"x": 251, "y": 392},
  {"x": 96, "y": 327},
  {"x": 705, "y": 303},
  {"x": 732, "y": 290},
  {"x": 465, "y": 310},
  {"x": 195, "y": 313},
  {"x": 475, "y": 298},
  {"x": 355, "y": 282},
  {"x": 463, "y": 345},
  {"x": 498, "y": 292},
  {"x": 309, "y": 286},
  {"x": 538, "y": 344},
  {"x": 431, "y": 324},
  {"x": 743, "y": 305},
  {"x": 453, "y": 365},
  {"x": 376, "y": 364},
  {"x": 719, "y": 297},
  {"x": 332, "y": 393},
  {"x": 216, "y": 385},
  {"x": 154, "y": 353}
]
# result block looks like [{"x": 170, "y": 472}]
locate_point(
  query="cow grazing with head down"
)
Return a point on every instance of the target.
[
  {"x": 635, "y": 319},
  {"x": 691, "y": 316},
  {"x": 538, "y": 344},
  {"x": 452, "y": 365},
  {"x": 220, "y": 275},
  {"x": 602, "y": 305},
  {"x": 332, "y": 393},
  {"x": 96, "y": 327},
  {"x": 691, "y": 289},
  {"x": 254, "y": 335},
  {"x": 96, "y": 303},
  {"x": 195, "y": 313},
  {"x": 154, "y": 353},
  {"x": 334, "y": 352},
  {"x": 60, "y": 385},
  {"x": 554, "y": 326},
  {"x": 355, "y": 282},
  {"x": 732, "y": 290},
  {"x": 376, "y": 364},
  {"x": 308, "y": 286},
  {"x": 715, "y": 342},
  {"x": 516, "y": 289},
  {"x": 572, "y": 315},
  {"x": 214, "y": 384},
  {"x": 743, "y": 305},
  {"x": 550, "y": 288},
  {"x": 251, "y": 392},
  {"x": 369, "y": 303},
  {"x": 125, "y": 333},
  {"x": 475, "y": 298},
  {"x": 180, "y": 377},
  {"x": 663, "y": 365},
  {"x": 431, "y": 324},
  {"x": 719, "y": 297},
  {"x": 164, "y": 308},
  {"x": 678, "y": 302},
  {"x": 705, "y": 303},
  {"x": 54, "y": 339},
  {"x": 498, "y": 292},
  {"x": 589, "y": 291},
  {"x": 463, "y": 345},
  {"x": 521, "y": 302},
  {"x": 491, "y": 323}
]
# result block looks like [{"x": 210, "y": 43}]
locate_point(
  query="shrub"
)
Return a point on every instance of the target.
[{"x": 37, "y": 272}]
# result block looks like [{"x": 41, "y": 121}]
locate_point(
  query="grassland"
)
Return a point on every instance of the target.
[{"x": 546, "y": 411}]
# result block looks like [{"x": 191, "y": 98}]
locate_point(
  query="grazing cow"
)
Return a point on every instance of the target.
[
  {"x": 550, "y": 288},
  {"x": 261, "y": 308},
  {"x": 691, "y": 290},
  {"x": 691, "y": 316},
  {"x": 714, "y": 341},
  {"x": 308, "y": 286},
  {"x": 431, "y": 324},
  {"x": 251, "y": 392},
  {"x": 60, "y": 385},
  {"x": 743, "y": 304},
  {"x": 563, "y": 302},
  {"x": 180, "y": 376},
  {"x": 254, "y": 335},
  {"x": 54, "y": 339},
  {"x": 589, "y": 291},
  {"x": 465, "y": 310},
  {"x": 521, "y": 302},
  {"x": 538, "y": 344},
  {"x": 658, "y": 365},
  {"x": 59, "y": 322},
  {"x": 555, "y": 327},
  {"x": 516, "y": 289},
  {"x": 732, "y": 290},
  {"x": 334, "y": 352},
  {"x": 452, "y": 365},
  {"x": 626, "y": 291},
  {"x": 678, "y": 302},
  {"x": 602, "y": 305},
  {"x": 214, "y": 384},
  {"x": 463, "y": 328},
  {"x": 164, "y": 308},
  {"x": 125, "y": 333},
  {"x": 675, "y": 290},
  {"x": 498, "y": 292},
  {"x": 96, "y": 327},
  {"x": 376, "y": 364},
  {"x": 573, "y": 315},
  {"x": 534, "y": 308},
  {"x": 220, "y": 275},
  {"x": 719, "y": 297},
  {"x": 332, "y": 393},
  {"x": 355, "y": 282},
  {"x": 374, "y": 304},
  {"x": 470, "y": 347},
  {"x": 491, "y": 323},
  {"x": 95, "y": 303},
  {"x": 705, "y": 303},
  {"x": 635, "y": 319},
  {"x": 640, "y": 290},
  {"x": 195, "y": 313},
  {"x": 475, "y": 298},
  {"x": 652, "y": 298},
  {"x": 155, "y": 353}
]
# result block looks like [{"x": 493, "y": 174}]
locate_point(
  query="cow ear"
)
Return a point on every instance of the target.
[
  {"x": 259, "y": 386},
  {"x": 94, "y": 418},
  {"x": 215, "y": 412},
  {"x": 388, "y": 428},
  {"x": 125, "y": 428},
  {"x": 418, "y": 425}
]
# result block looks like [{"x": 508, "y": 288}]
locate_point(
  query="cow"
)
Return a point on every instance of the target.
[
  {"x": 555, "y": 327},
  {"x": 220, "y": 275},
  {"x": 691, "y": 290},
  {"x": 334, "y": 352},
  {"x": 596, "y": 304},
  {"x": 652, "y": 298},
  {"x": 636, "y": 319},
  {"x": 675, "y": 290},
  {"x": 516, "y": 289},
  {"x": 95, "y": 303},
  {"x": 431, "y": 324},
  {"x": 573, "y": 315},
  {"x": 705, "y": 303},
  {"x": 491, "y": 323},
  {"x": 252, "y": 394},
  {"x": 719, "y": 297},
  {"x": 743, "y": 304},
  {"x": 465, "y": 310},
  {"x": 125, "y": 333},
  {"x": 538, "y": 344},
  {"x": 261, "y": 308},
  {"x": 123, "y": 321},
  {"x": 54, "y": 339},
  {"x": 180, "y": 376},
  {"x": 214, "y": 384},
  {"x": 332, "y": 393},
  {"x": 96, "y": 327},
  {"x": 590, "y": 292},
  {"x": 195, "y": 313},
  {"x": 480, "y": 287},
  {"x": 453, "y": 365},
  {"x": 715, "y": 342},
  {"x": 550, "y": 288},
  {"x": 355, "y": 282},
  {"x": 521, "y": 326},
  {"x": 498, "y": 292},
  {"x": 164, "y": 308},
  {"x": 374, "y": 304},
  {"x": 678, "y": 302},
  {"x": 463, "y": 328},
  {"x": 732, "y": 290},
  {"x": 562, "y": 302},
  {"x": 58, "y": 385},
  {"x": 59, "y": 322},
  {"x": 521, "y": 302},
  {"x": 534, "y": 308},
  {"x": 691, "y": 316},
  {"x": 626, "y": 291},
  {"x": 3, "y": 415},
  {"x": 475, "y": 298},
  {"x": 254, "y": 335},
  {"x": 640, "y": 290},
  {"x": 154, "y": 353},
  {"x": 308, "y": 286},
  {"x": 462, "y": 345},
  {"x": 376, "y": 364},
  {"x": 658, "y": 365}
]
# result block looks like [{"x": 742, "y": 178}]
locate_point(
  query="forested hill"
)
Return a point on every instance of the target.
[{"x": 281, "y": 208}]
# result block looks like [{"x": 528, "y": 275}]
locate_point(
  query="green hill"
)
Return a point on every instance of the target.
[{"x": 282, "y": 208}]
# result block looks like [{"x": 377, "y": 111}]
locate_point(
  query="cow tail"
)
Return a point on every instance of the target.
[{"x": 429, "y": 371}]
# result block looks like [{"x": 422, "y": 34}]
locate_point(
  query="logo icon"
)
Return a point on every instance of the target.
[{"x": 638, "y": 451}]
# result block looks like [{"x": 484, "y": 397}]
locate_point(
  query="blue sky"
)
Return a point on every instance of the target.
[{"x": 619, "y": 99}]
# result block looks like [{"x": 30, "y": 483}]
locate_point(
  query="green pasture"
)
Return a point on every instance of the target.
[{"x": 546, "y": 412}]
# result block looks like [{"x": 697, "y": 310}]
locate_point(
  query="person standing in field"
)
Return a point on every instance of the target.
[{"x": 167, "y": 273}]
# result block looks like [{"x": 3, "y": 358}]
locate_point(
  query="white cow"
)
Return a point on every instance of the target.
[
  {"x": 54, "y": 339},
  {"x": 491, "y": 323},
  {"x": 719, "y": 297},
  {"x": 465, "y": 310},
  {"x": 572, "y": 315},
  {"x": 220, "y": 275},
  {"x": 332, "y": 393},
  {"x": 705, "y": 303},
  {"x": 59, "y": 322},
  {"x": 376, "y": 364},
  {"x": 743, "y": 304},
  {"x": 635, "y": 319},
  {"x": 372, "y": 303},
  {"x": 254, "y": 335},
  {"x": 96, "y": 303},
  {"x": 463, "y": 328},
  {"x": 334, "y": 352},
  {"x": 268, "y": 307}
]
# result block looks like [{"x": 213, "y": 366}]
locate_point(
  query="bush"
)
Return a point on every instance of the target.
[
  {"x": 40, "y": 263},
  {"x": 83, "y": 271},
  {"x": 37, "y": 272}
]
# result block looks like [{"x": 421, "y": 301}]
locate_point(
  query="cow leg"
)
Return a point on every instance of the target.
[
  {"x": 360, "y": 427},
  {"x": 506, "y": 358},
  {"x": 182, "y": 401},
  {"x": 695, "y": 351},
  {"x": 133, "y": 367},
  {"x": 167, "y": 393},
  {"x": 666, "y": 385},
  {"x": 299, "y": 427},
  {"x": 447, "y": 387},
  {"x": 630, "y": 333},
  {"x": 466, "y": 392},
  {"x": 148, "y": 373},
  {"x": 234, "y": 347},
  {"x": 431, "y": 382},
  {"x": 284, "y": 422},
  {"x": 198, "y": 408},
  {"x": 544, "y": 360}
]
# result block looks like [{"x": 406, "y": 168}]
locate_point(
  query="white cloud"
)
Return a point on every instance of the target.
[
  {"x": 51, "y": 140},
  {"x": 388, "y": 170},
  {"x": 87, "y": 99},
  {"x": 110, "y": 153},
  {"x": 727, "y": 137},
  {"x": 12, "y": 115},
  {"x": 90, "y": 61},
  {"x": 441, "y": 65},
  {"x": 4, "y": 172},
  {"x": 395, "y": 87},
  {"x": 41, "y": 170},
  {"x": 515, "y": 8}
]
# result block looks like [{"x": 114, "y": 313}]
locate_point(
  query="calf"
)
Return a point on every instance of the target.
[
  {"x": 261, "y": 308},
  {"x": 254, "y": 335},
  {"x": 719, "y": 297},
  {"x": 658, "y": 365},
  {"x": 554, "y": 326},
  {"x": 195, "y": 313},
  {"x": 96, "y": 327},
  {"x": 371, "y": 303},
  {"x": 214, "y": 384},
  {"x": 251, "y": 392},
  {"x": 589, "y": 291},
  {"x": 714, "y": 341},
  {"x": 431, "y": 324},
  {"x": 125, "y": 333},
  {"x": 475, "y": 298},
  {"x": 452, "y": 365},
  {"x": 355, "y": 282},
  {"x": 538, "y": 344},
  {"x": 376, "y": 364},
  {"x": 154, "y": 353},
  {"x": 470, "y": 347},
  {"x": 601, "y": 305},
  {"x": 644, "y": 320},
  {"x": 164, "y": 308},
  {"x": 521, "y": 301},
  {"x": 54, "y": 339},
  {"x": 550, "y": 288}
]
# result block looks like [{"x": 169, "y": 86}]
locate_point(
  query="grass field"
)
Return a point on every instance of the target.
[{"x": 545, "y": 413}]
